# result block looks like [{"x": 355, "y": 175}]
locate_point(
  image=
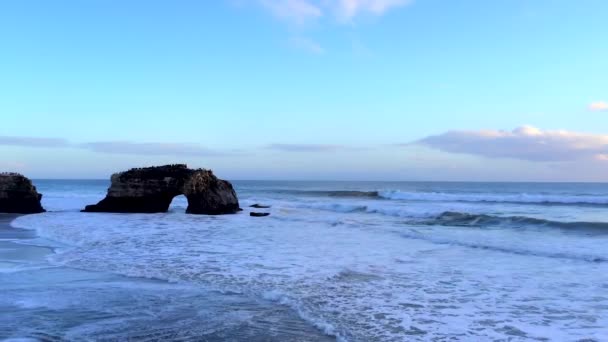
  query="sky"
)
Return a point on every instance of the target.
[{"x": 455, "y": 90}]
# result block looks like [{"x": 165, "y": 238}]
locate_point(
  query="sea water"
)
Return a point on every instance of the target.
[{"x": 353, "y": 261}]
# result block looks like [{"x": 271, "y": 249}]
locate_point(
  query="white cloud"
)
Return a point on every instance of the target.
[
  {"x": 306, "y": 44},
  {"x": 351, "y": 8},
  {"x": 302, "y": 11},
  {"x": 295, "y": 11},
  {"x": 598, "y": 106},
  {"x": 525, "y": 143}
]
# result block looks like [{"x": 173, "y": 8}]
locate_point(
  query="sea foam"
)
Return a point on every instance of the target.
[{"x": 405, "y": 264}]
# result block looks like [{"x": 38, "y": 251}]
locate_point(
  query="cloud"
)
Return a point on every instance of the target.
[
  {"x": 302, "y": 11},
  {"x": 598, "y": 106},
  {"x": 160, "y": 149},
  {"x": 295, "y": 11},
  {"x": 350, "y": 8},
  {"x": 32, "y": 142},
  {"x": 116, "y": 147},
  {"x": 305, "y": 147},
  {"x": 306, "y": 44},
  {"x": 525, "y": 143},
  {"x": 157, "y": 148}
]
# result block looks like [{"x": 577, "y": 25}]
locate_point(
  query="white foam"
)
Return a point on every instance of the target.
[{"x": 366, "y": 279}]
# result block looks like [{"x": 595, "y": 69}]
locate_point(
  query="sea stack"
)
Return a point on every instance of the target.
[
  {"x": 18, "y": 195},
  {"x": 151, "y": 190}
]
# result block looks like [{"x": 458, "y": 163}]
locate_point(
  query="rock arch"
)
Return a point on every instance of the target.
[{"x": 151, "y": 190}]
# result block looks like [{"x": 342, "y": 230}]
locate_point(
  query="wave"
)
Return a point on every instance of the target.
[
  {"x": 362, "y": 208},
  {"x": 462, "y": 219},
  {"x": 498, "y": 246},
  {"x": 328, "y": 276},
  {"x": 452, "y": 218},
  {"x": 330, "y": 193},
  {"x": 515, "y": 198},
  {"x": 512, "y": 198}
]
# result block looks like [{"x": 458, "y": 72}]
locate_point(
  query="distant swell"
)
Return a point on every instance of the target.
[
  {"x": 512, "y": 198},
  {"x": 450, "y": 218},
  {"x": 352, "y": 193},
  {"x": 332, "y": 193},
  {"x": 520, "y": 198}
]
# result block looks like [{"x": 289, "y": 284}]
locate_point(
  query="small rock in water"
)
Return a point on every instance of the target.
[
  {"x": 254, "y": 214},
  {"x": 259, "y": 206}
]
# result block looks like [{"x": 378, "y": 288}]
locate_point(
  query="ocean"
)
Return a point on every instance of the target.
[{"x": 346, "y": 261}]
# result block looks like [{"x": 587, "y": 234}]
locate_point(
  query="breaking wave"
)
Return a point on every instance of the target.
[
  {"x": 451, "y": 218},
  {"x": 459, "y": 219}
]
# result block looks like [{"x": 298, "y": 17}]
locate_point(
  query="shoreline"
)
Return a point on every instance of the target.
[
  {"x": 16, "y": 256},
  {"x": 6, "y": 219}
]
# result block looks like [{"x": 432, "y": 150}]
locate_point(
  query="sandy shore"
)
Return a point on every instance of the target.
[{"x": 5, "y": 220}]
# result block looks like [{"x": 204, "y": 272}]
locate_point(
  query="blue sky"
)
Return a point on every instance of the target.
[{"x": 307, "y": 89}]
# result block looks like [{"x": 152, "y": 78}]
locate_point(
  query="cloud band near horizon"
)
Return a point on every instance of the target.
[
  {"x": 155, "y": 148},
  {"x": 525, "y": 143},
  {"x": 115, "y": 147}
]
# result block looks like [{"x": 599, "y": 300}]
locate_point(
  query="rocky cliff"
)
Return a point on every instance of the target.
[
  {"x": 151, "y": 190},
  {"x": 18, "y": 195}
]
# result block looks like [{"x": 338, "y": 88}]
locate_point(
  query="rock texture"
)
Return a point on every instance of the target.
[
  {"x": 18, "y": 195},
  {"x": 151, "y": 190}
]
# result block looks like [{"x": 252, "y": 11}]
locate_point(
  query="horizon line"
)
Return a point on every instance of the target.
[{"x": 353, "y": 181}]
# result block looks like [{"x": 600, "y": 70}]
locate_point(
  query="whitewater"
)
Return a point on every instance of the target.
[{"x": 352, "y": 261}]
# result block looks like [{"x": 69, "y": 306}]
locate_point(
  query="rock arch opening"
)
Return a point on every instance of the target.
[{"x": 179, "y": 203}]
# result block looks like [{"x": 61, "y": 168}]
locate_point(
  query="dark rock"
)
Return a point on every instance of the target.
[
  {"x": 259, "y": 206},
  {"x": 18, "y": 195},
  {"x": 151, "y": 190},
  {"x": 207, "y": 194},
  {"x": 254, "y": 214}
]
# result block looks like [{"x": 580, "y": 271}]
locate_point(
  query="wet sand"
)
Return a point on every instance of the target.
[{"x": 15, "y": 256}]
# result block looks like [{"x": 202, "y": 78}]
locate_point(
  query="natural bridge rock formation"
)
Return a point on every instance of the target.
[
  {"x": 151, "y": 190},
  {"x": 18, "y": 195}
]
